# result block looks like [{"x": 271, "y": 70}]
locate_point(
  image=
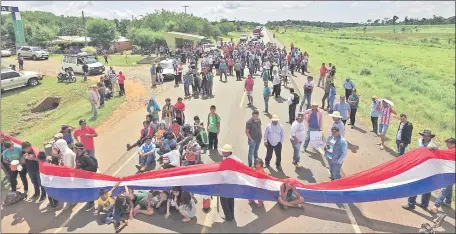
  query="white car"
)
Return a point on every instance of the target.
[
  {"x": 6, "y": 53},
  {"x": 76, "y": 61},
  {"x": 244, "y": 37},
  {"x": 209, "y": 47},
  {"x": 12, "y": 79},
  {"x": 33, "y": 52},
  {"x": 168, "y": 68}
]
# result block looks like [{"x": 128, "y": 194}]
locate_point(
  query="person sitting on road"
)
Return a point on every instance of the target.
[
  {"x": 146, "y": 154},
  {"x": 175, "y": 128},
  {"x": 147, "y": 204},
  {"x": 167, "y": 143},
  {"x": 147, "y": 131},
  {"x": 192, "y": 154},
  {"x": 289, "y": 196},
  {"x": 159, "y": 134},
  {"x": 136, "y": 201},
  {"x": 187, "y": 206},
  {"x": 171, "y": 159},
  {"x": 106, "y": 202}
]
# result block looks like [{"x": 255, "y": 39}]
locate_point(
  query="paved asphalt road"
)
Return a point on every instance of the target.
[{"x": 385, "y": 216}]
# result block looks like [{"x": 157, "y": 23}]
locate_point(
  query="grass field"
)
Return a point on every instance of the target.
[
  {"x": 418, "y": 77},
  {"x": 114, "y": 60},
  {"x": 19, "y": 121}
]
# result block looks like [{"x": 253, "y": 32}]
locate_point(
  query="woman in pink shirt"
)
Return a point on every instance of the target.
[{"x": 121, "y": 81}]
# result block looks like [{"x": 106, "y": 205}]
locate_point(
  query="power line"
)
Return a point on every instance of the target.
[{"x": 185, "y": 7}]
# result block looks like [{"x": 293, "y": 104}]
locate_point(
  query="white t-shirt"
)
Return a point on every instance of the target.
[
  {"x": 308, "y": 84},
  {"x": 298, "y": 131},
  {"x": 399, "y": 132},
  {"x": 276, "y": 79},
  {"x": 173, "y": 157},
  {"x": 266, "y": 65}
]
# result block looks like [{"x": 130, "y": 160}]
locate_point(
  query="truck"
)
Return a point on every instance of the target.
[{"x": 257, "y": 30}]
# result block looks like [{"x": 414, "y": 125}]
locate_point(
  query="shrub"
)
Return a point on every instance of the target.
[
  {"x": 365, "y": 72},
  {"x": 90, "y": 50}
]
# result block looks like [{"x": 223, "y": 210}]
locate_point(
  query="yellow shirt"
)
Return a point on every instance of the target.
[{"x": 108, "y": 203}]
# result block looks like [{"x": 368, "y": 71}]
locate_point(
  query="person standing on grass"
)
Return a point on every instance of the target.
[
  {"x": 213, "y": 128},
  {"x": 276, "y": 83},
  {"x": 273, "y": 140},
  {"x": 85, "y": 71},
  {"x": 335, "y": 152},
  {"x": 253, "y": 132},
  {"x": 121, "y": 80},
  {"x": 297, "y": 135},
  {"x": 101, "y": 91},
  {"x": 33, "y": 170},
  {"x": 385, "y": 117},
  {"x": 404, "y": 134},
  {"x": 308, "y": 89},
  {"x": 349, "y": 86},
  {"x": 375, "y": 113},
  {"x": 266, "y": 94},
  {"x": 292, "y": 101},
  {"x": 343, "y": 108},
  {"x": 323, "y": 71},
  {"x": 332, "y": 97},
  {"x": 85, "y": 135},
  {"x": 153, "y": 75},
  {"x": 354, "y": 101},
  {"x": 248, "y": 87},
  {"x": 313, "y": 119},
  {"x": 94, "y": 98}
]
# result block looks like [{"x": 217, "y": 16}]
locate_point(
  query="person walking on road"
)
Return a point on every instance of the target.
[
  {"x": 404, "y": 134},
  {"x": 323, "y": 71},
  {"x": 266, "y": 94},
  {"x": 337, "y": 123},
  {"x": 292, "y": 101},
  {"x": 228, "y": 203},
  {"x": 348, "y": 86},
  {"x": 253, "y": 132},
  {"x": 425, "y": 141},
  {"x": 335, "y": 152},
  {"x": 308, "y": 89},
  {"x": 354, "y": 101},
  {"x": 297, "y": 135},
  {"x": 375, "y": 113},
  {"x": 343, "y": 108},
  {"x": 249, "y": 89},
  {"x": 273, "y": 140},
  {"x": 213, "y": 128},
  {"x": 385, "y": 112},
  {"x": 313, "y": 119}
]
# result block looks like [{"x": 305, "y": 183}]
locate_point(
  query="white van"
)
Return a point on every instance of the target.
[{"x": 76, "y": 61}]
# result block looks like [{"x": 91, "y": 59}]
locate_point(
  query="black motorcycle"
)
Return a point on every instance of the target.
[{"x": 66, "y": 76}]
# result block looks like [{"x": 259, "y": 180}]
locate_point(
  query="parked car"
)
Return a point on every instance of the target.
[
  {"x": 244, "y": 37},
  {"x": 75, "y": 62},
  {"x": 209, "y": 47},
  {"x": 168, "y": 68},
  {"x": 33, "y": 52},
  {"x": 11, "y": 79},
  {"x": 6, "y": 53}
]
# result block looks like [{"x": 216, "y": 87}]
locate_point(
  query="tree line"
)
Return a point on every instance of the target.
[{"x": 42, "y": 27}]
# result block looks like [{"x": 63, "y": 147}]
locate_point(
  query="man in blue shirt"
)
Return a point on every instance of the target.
[
  {"x": 335, "y": 152},
  {"x": 146, "y": 154},
  {"x": 10, "y": 154},
  {"x": 266, "y": 94},
  {"x": 343, "y": 108},
  {"x": 348, "y": 86}
]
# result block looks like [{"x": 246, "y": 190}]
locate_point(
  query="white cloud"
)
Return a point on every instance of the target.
[{"x": 294, "y": 5}]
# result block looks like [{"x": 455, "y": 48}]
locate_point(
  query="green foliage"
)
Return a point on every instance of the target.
[
  {"x": 365, "y": 72},
  {"x": 90, "y": 50},
  {"x": 101, "y": 32},
  {"x": 145, "y": 37},
  {"x": 37, "y": 34}
]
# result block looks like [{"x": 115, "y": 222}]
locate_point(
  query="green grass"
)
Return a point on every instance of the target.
[
  {"x": 418, "y": 78},
  {"x": 19, "y": 121},
  {"x": 115, "y": 60}
]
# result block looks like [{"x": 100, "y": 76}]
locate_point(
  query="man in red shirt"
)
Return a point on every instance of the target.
[
  {"x": 323, "y": 71},
  {"x": 121, "y": 81},
  {"x": 179, "y": 109},
  {"x": 85, "y": 135},
  {"x": 249, "y": 89}
]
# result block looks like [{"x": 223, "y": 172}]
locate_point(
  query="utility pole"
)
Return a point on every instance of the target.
[
  {"x": 185, "y": 7},
  {"x": 84, "y": 25}
]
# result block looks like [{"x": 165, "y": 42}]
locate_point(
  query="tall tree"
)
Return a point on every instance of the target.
[{"x": 101, "y": 32}]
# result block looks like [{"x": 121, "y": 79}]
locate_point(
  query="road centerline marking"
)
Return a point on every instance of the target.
[{"x": 242, "y": 100}]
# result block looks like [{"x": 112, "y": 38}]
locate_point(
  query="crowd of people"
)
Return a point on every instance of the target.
[{"x": 168, "y": 138}]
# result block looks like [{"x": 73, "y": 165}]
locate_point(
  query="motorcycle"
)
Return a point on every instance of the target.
[{"x": 67, "y": 75}]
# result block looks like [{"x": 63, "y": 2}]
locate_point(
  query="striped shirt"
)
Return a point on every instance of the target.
[{"x": 385, "y": 115}]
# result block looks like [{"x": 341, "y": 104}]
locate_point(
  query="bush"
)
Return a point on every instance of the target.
[
  {"x": 365, "y": 72},
  {"x": 90, "y": 50}
]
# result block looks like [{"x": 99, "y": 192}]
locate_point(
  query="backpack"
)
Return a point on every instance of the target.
[{"x": 295, "y": 99}]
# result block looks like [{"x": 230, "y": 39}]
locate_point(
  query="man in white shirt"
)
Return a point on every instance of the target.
[
  {"x": 94, "y": 100},
  {"x": 273, "y": 139},
  {"x": 172, "y": 157},
  {"x": 297, "y": 136},
  {"x": 308, "y": 88},
  {"x": 292, "y": 101},
  {"x": 348, "y": 86},
  {"x": 276, "y": 84},
  {"x": 228, "y": 203}
]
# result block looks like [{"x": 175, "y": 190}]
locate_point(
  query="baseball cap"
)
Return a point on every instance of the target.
[{"x": 82, "y": 121}]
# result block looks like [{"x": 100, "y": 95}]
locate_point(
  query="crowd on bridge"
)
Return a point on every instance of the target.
[{"x": 168, "y": 138}]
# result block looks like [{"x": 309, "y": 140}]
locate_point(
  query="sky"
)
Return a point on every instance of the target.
[{"x": 258, "y": 11}]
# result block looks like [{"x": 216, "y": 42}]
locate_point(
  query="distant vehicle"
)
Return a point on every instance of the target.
[
  {"x": 209, "y": 47},
  {"x": 244, "y": 37},
  {"x": 12, "y": 79},
  {"x": 257, "y": 30},
  {"x": 6, "y": 53},
  {"x": 33, "y": 52},
  {"x": 168, "y": 68},
  {"x": 75, "y": 62},
  {"x": 261, "y": 34},
  {"x": 254, "y": 38}
]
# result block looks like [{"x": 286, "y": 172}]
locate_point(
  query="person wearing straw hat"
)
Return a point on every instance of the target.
[
  {"x": 228, "y": 203},
  {"x": 385, "y": 109},
  {"x": 337, "y": 122},
  {"x": 273, "y": 140},
  {"x": 426, "y": 140},
  {"x": 10, "y": 156}
]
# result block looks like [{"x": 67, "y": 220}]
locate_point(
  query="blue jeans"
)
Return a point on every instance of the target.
[
  {"x": 306, "y": 142},
  {"x": 147, "y": 161},
  {"x": 296, "y": 146},
  {"x": 308, "y": 97},
  {"x": 266, "y": 106},
  {"x": 334, "y": 169},
  {"x": 331, "y": 103},
  {"x": 400, "y": 150},
  {"x": 91, "y": 153},
  {"x": 424, "y": 200},
  {"x": 444, "y": 196},
  {"x": 253, "y": 151}
]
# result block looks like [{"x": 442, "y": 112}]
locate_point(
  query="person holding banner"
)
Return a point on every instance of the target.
[
  {"x": 313, "y": 119},
  {"x": 335, "y": 152}
]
